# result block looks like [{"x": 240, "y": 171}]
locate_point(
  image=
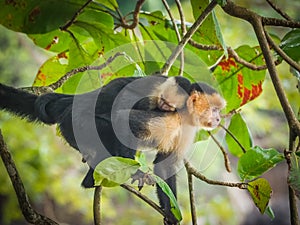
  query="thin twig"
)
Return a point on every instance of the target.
[
  {"x": 182, "y": 17},
  {"x": 279, "y": 11},
  {"x": 70, "y": 22},
  {"x": 233, "y": 137},
  {"x": 192, "y": 170},
  {"x": 177, "y": 35},
  {"x": 143, "y": 197},
  {"x": 29, "y": 213},
  {"x": 192, "y": 198},
  {"x": 97, "y": 205},
  {"x": 187, "y": 37},
  {"x": 244, "y": 62},
  {"x": 204, "y": 47},
  {"x": 225, "y": 155},
  {"x": 280, "y": 52},
  {"x": 267, "y": 21},
  {"x": 136, "y": 12},
  {"x": 71, "y": 73}
]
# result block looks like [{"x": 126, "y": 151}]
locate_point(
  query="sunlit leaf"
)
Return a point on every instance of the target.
[
  {"x": 239, "y": 129},
  {"x": 208, "y": 26},
  {"x": 238, "y": 83},
  {"x": 52, "y": 70},
  {"x": 256, "y": 161},
  {"x": 173, "y": 202},
  {"x": 114, "y": 171},
  {"x": 260, "y": 191}
]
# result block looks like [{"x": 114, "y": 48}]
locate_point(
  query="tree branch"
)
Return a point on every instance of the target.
[
  {"x": 278, "y": 10},
  {"x": 233, "y": 137},
  {"x": 69, "y": 23},
  {"x": 280, "y": 52},
  {"x": 256, "y": 21},
  {"x": 225, "y": 155},
  {"x": 29, "y": 213},
  {"x": 71, "y": 73},
  {"x": 187, "y": 37},
  {"x": 97, "y": 205},
  {"x": 144, "y": 198},
  {"x": 136, "y": 12},
  {"x": 197, "y": 174},
  {"x": 192, "y": 198}
]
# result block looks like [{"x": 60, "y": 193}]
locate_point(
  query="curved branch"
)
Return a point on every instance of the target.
[
  {"x": 29, "y": 213},
  {"x": 192, "y": 170},
  {"x": 136, "y": 12},
  {"x": 225, "y": 155}
]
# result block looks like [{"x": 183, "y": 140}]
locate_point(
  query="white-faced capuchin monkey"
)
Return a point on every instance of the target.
[{"x": 125, "y": 115}]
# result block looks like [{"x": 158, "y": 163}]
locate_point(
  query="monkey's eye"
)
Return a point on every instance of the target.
[{"x": 215, "y": 110}]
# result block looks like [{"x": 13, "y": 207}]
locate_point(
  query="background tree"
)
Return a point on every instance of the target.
[{"x": 83, "y": 34}]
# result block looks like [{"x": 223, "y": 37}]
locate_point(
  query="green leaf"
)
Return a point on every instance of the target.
[
  {"x": 141, "y": 159},
  {"x": 294, "y": 174},
  {"x": 35, "y": 16},
  {"x": 208, "y": 25},
  {"x": 52, "y": 70},
  {"x": 219, "y": 33},
  {"x": 256, "y": 161},
  {"x": 260, "y": 191},
  {"x": 269, "y": 212},
  {"x": 239, "y": 84},
  {"x": 114, "y": 171},
  {"x": 167, "y": 190},
  {"x": 290, "y": 44},
  {"x": 56, "y": 40},
  {"x": 239, "y": 129}
]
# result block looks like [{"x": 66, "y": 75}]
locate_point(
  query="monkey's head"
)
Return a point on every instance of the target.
[
  {"x": 172, "y": 94},
  {"x": 204, "y": 105}
]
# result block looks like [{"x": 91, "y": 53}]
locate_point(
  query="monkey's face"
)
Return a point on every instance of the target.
[{"x": 205, "y": 109}]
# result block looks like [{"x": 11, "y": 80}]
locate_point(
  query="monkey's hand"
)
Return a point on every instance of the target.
[
  {"x": 164, "y": 105},
  {"x": 142, "y": 178}
]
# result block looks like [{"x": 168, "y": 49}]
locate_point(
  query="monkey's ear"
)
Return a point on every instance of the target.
[{"x": 194, "y": 97}]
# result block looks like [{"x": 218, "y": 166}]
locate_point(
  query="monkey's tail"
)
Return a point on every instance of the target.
[
  {"x": 34, "y": 108},
  {"x": 18, "y": 102}
]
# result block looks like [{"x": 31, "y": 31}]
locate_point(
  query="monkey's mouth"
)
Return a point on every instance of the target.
[{"x": 210, "y": 125}]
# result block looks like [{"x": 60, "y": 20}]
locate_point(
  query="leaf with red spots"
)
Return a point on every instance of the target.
[
  {"x": 53, "y": 69},
  {"x": 239, "y": 84},
  {"x": 260, "y": 191}
]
